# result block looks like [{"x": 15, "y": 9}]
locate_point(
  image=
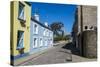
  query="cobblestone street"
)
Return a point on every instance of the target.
[{"x": 60, "y": 53}]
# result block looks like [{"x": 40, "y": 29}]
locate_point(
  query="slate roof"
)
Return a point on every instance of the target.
[{"x": 33, "y": 19}]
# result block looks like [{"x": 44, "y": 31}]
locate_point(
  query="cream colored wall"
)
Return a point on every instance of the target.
[{"x": 17, "y": 26}]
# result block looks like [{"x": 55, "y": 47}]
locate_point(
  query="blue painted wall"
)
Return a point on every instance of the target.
[{"x": 40, "y": 34}]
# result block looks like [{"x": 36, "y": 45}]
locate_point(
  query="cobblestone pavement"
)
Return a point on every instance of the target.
[{"x": 57, "y": 54}]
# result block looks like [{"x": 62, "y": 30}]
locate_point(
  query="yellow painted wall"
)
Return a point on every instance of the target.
[{"x": 16, "y": 25}]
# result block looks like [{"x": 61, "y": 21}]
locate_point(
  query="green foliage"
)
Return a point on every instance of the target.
[
  {"x": 60, "y": 38},
  {"x": 57, "y": 27}
]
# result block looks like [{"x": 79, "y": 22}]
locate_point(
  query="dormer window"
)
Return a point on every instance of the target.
[
  {"x": 47, "y": 33},
  {"x": 21, "y": 15},
  {"x": 20, "y": 37}
]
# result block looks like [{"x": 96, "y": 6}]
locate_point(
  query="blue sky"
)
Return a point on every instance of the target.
[{"x": 50, "y": 12}]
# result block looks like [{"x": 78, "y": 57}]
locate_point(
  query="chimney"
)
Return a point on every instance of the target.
[
  {"x": 46, "y": 24},
  {"x": 36, "y": 17}
]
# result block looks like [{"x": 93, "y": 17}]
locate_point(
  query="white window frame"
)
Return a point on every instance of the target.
[
  {"x": 21, "y": 15},
  {"x": 47, "y": 32},
  {"x": 51, "y": 42},
  {"x": 50, "y": 34},
  {"x": 46, "y": 43},
  {"x": 35, "y": 44},
  {"x": 35, "y": 29},
  {"x": 44, "y": 32}
]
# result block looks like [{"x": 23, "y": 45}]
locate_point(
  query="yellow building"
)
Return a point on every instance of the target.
[{"x": 20, "y": 29}]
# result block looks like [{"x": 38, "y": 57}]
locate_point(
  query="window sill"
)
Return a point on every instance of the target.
[
  {"x": 21, "y": 48},
  {"x": 22, "y": 20},
  {"x": 36, "y": 33}
]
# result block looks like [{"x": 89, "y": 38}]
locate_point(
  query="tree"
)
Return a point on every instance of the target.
[
  {"x": 68, "y": 37},
  {"x": 57, "y": 27}
]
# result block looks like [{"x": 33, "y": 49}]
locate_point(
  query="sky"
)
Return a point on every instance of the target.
[{"x": 50, "y": 12}]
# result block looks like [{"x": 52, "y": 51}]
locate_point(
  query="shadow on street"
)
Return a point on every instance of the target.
[{"x": 72, "y": 48}]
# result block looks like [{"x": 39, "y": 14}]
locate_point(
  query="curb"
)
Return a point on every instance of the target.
[{"x": 31, "y": 56}]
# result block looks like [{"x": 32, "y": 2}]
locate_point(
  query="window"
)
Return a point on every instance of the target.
[
  {"x": 91, "y": 27},
  {"x": 35, "y": 43},
  {"x": 21, "y": 15},
  {"x": 44, "y": 32},
  {"x": 46, "y": 43},
  {"x": 35, "y": 29},
  {"x": 86, "y": 27},
  {"x": 50, "y": 41},
  {"x": 50, "y": 34},
  {"x": 20, "y": 37},
  {"x": 41, "y": 42}
]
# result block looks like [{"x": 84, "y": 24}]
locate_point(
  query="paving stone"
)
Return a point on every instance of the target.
[{"x": 56, "y": 55}]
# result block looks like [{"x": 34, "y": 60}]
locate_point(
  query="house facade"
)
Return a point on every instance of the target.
[
  {"x": 20, "y": 29},
  {"x": 41, "y": 36},
  {"x": 84, "y": 30},
  {"x": 27, "y": 34}
]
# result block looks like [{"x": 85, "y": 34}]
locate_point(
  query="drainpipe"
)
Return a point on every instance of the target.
[{"x": 81, "y": 51}]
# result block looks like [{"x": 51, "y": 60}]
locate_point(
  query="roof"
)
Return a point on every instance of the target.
[
  {"x": 33, "y": 19},
  {"x": 28, "y": 3}
]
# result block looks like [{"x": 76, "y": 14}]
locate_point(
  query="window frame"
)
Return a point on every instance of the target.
[
  {"x": 35, "y": 43},
  {"x": 18, "y": 47},
  {"x": 22, "y": 18},
  {"x": 41, "y": 42},
  {"x": 35, "y": 29},
  {"x": 44, "y": 30}
]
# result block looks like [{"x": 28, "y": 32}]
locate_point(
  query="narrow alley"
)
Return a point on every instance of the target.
[{"x": 61, "y": 53}]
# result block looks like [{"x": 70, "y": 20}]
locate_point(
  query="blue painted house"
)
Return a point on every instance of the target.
[{"x": 41, "y": 36}]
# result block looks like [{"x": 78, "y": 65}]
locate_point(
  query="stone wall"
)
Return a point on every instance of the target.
[
  {"x": 89, "y": 44},
  {"x": 80, "y": 44},
  {"x": 84, "y": 30},
  {"x": 89, "y": 17}
]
